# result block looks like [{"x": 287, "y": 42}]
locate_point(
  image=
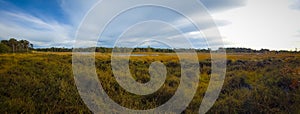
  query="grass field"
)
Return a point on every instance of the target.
[{"x": 255, "y": 83}]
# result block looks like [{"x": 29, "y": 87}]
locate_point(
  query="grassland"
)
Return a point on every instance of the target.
[{"x": 255, "y": 83}]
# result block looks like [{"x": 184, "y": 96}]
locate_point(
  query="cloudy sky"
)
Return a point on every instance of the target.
[{"x": 272, "y": 24}]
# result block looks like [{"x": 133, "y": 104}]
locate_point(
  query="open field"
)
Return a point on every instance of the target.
[{"x": 255, "y": 83}]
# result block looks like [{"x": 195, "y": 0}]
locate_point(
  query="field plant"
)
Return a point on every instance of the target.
[{"x": 255, "y": 83}]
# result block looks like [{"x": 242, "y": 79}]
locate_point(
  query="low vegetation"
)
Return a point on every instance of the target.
[{"x": 43, "y": 82}]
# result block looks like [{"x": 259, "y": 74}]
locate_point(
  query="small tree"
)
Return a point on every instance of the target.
[{"x": 149, "y": 49}]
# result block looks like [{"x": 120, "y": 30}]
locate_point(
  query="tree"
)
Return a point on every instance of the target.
[
  {"x": 17, "y": 46},
  {"x": 13, "y": 43},
  {"x": 24, "y": 45},
  {"x": 5, "y": 42},
  {"x": 4, "y": 48},
  {"x": 31, "y": 46},
  {"x": 149, "y": 49}
]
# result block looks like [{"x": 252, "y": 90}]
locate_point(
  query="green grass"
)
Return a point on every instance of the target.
[{"x": 44, "y": 83}]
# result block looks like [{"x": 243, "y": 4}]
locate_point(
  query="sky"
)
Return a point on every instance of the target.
[{"x": 242, "y": 23}]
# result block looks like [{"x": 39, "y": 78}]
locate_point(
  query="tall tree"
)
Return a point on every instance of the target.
[
  {"x": 13, "y": 43},
  {"x": 24, "y": 44},
  {"x": 17, "y": 46}
]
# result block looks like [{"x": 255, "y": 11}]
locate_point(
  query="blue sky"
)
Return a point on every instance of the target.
[
  {"x": 242, "y": 23},
  {"x": 37, "y": 8}
]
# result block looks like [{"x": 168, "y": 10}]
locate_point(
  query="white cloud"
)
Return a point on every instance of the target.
[
  {"x": 257, "y": 24},
  {"x": 147, "y": 14},
  {"x": 44, "y": 33},
  {"x": 223, "y": 5},
  {"x": 77, "y": 9},
  {"x": 261, "y": 24},
  {"x": 25, "y": 26}
]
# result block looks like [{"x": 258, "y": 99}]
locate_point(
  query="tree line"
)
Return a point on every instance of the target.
[
  {"x": 15, "y": 46},
  {"x": 106, "y": 49},
  {"x": 161, "y": 50}
]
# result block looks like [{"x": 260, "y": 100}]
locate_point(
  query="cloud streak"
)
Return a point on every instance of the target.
[
  {"x": 223, "y": 5},
  {"x": 243, "y": 23},
  {"x": 25, "y": 26},
  {"x": 48, "y": 31}
]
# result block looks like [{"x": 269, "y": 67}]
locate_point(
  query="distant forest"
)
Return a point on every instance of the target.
[{"x": 20, "y": 46}]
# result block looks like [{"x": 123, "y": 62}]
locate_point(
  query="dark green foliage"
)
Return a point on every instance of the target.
[
  {"x": 15, "y": 46},
  {"x": 4, "y": 48},
  {"x": 53, "y": 49}
]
